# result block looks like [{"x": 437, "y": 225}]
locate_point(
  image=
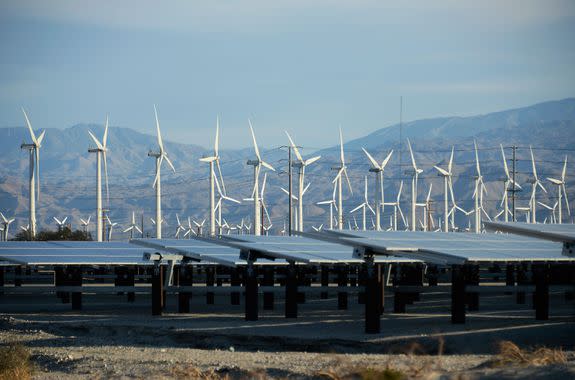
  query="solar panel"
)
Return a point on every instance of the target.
[
  {"x": 204, "y": 251},
  {"x": 71, "y": 253},
  {"x": 306, "y": 250},
  {"x": 555, "y": 232},
  {"x": 454, "y": 248}
]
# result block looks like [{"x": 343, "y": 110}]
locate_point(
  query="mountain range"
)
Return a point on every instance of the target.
[{"x": 68, "y": 170}]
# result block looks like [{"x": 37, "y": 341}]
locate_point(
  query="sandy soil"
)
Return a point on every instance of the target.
[{"x": 113, "y": 339}]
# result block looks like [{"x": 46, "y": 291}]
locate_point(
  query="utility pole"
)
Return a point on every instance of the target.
[
  {"x": 290, "y": 193},
  {"x": 400, "y": 135},
  {"x": 513, "y": 191},
  {"x": 142, "y": 225}
]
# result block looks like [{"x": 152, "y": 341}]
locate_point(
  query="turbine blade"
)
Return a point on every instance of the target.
[
  {"x": 98, "y": 144},
  {"x": 32, "y": 135},
  {"x": 477, "y": 167},
  {"x": 347, "y": 179},
  {"x": 164, "y": 155},
  {"x": 442, "y": 171},
  {"x": 504, "y": 162},
  {"x": 217, "y": 140},
  {"x": 357, "y": 208},
  {"x": 310, "y": 161},
  {"x": 265, "y": 164},
  {"x": 254, "y": 140},
  {"x": 295, "y": 149},
  {"x": 564, "y": 170},
  {"x": 533, "y": 164},
  {"x": 411, "y": 154},
  {"x": 105, "y": 138},
  {"x": 450, "y": 165},
  {"x": 221, "y": 176},
  {"x": 566, "y": 199},
  {"x": 40, "y": 138},
  {"x": 341, "y": 155},
  {"x": 106, "y": 178},
  {"x": 371, "y": 159},
  {"x": 160, "y": 143},
  {"x": 386, "y": 160}
]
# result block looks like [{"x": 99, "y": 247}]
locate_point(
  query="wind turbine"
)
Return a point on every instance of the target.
[
  {"x": 535, "y": 183},
  {"x": 190, "y": 229},
  {"x": 26, "y": 229},
  {"x": 34, "y": 154},
  {"x": 552, "y": 209},
  {"x": 397, "y": 207},
  {"x": 331, "y": 204},
  {"x": 85, "y": 223},
  {"x": 6, "y": 225},
  {"x": 415, "y": 172},
  {"x": 426, "y": 207},
  {"x": 211, "y": 160},
  {"x": 341, "y": 170},
  {"x": 60, "y": 223},
  {"x": 379, "y": 193},
  {"x": 257, "y": 164},
  {"x": 160, "y": 156},
  {"x": 162, "y": 221},
  {"x": 301, "y": 165},
  {"x": 222, "y": 198},
  {"x": 110, "y": 227},
  {"x": 363, "y": 206},
  {"x": 200, "y": 227},
  {"x": 100, "y": 151},
  {"x": 560, "y": 183},
  {"x": 180, "y": 228},
  {"x": 478, "y": 193},
  {"x": 447, "y": 174},
  {"x": 133, "y": 226}
]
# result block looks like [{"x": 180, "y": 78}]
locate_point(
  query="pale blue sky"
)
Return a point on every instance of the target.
[{"x": 304, "y": 66}]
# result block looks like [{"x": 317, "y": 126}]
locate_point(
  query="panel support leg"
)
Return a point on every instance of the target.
[
  {"x": 291, "y": 292},
  {"x": 235, "y": 280},
  {"x": 541, "y": 296},
  {"x": 186, "y": 278},
  {"x": 457, "y": 294},
  {"x": 251, "y": 285},
  {"x": 210, "y": 281},
  {"x": 324, "y": 281},
  {"x": 372, "y": 297},
  {"x": 269, "y": 280},
  {"x": 157, "y": 290}
]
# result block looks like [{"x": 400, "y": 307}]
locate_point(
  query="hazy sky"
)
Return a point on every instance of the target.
[{"x": 304, "y": 66}]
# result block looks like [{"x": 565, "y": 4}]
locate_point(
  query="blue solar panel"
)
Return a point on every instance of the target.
[{"x": 553, "y": 232}]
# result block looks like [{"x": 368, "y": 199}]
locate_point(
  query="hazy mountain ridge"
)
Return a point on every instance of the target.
[{"x": 68, "y": 170}]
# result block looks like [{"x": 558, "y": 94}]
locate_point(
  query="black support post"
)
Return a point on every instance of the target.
[
  {"x": 18, "y": 276},
  {"x": 251, "y": 285},
  {"x": 125, "y": 276},
  {"x": 381, "y": 287},
  {"x": 235, "y": 280},
  {"x": 541, "y": 295},
  {"x": 74, "y": 278},
  {"x": 472, "y": 278},
  {"x": 269, "y": 280},
  {"x": 157, "y": 290},
  {"x": 372, "y": 297},
  {"x": 186, "y": 278},
  {"x": 2, "y": 271},
  {"x": 457, "y": 294},
  {"x": 324, "y": 281},
  {"x": 60, "y": 280},
  {"x": 521, "y": 280},
  {"x": 342, "y": 283},
  {"x": 291, "y": 283},
  {"x": 210, "y": 281}
]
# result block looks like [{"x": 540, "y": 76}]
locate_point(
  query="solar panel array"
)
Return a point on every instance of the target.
[
  {"x": 554, "y": 232},
  {"x": 454, "y": 248}
]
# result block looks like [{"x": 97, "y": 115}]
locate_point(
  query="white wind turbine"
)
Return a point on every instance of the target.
[
  {"x": 34, "y": 154},
  {"x": 6, "y": 225},
  {"x": 85, "y": 223},
  {"x": 180, "y": 227},
  {"x": 446, "y": 174},
  {"x": 478, "y": 193},
  {"x": 211, "y": 160},
  {"x": 162, "y": 221},
  {"x": 60, "y": 223},
  {"x": 341, "y": 171},
  {"x": 160, "y": 156},
  {"x": 257, "y": 164},
  {"x": 415, "y": 172},
  {"x": 110, "y": 227},
  {"x": 560, "y": 183},
  {"x": 222, "y": 198},
  {"x": 263, "y": 203},
  {"x": 397, "y": 208},
  {"x": 295, "y": 205},
  {"x": 378, "y": 169},
  {"x": 190, "y": 229},
  {"x": 365, "y": 205},
  {"x": 301, "y": 164},
  {"x": 100, "y": 151},
  {"x": 426, "y": 207},
  {"x": 133, "y": 226},
  {"x": 553, "y": 218},
  {"x": 331, "y": 204},
  {"x": 535, "y": 183},
  {"x": 26, "y": 229},
  {"x": 507, "y": 182},
  {"x": 200, "y": 227}
]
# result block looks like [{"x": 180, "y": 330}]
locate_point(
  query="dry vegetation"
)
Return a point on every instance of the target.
[
  {"x": 511, "y": 354},
  {"x": 15, "y": 362}
]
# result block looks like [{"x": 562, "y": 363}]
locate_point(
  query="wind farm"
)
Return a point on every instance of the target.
[{"x": 324, "y": 190}]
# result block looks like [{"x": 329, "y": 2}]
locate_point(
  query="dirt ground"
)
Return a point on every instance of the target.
[{"x": 111, "y": 338}]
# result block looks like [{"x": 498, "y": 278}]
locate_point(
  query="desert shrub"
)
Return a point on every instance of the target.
[
  {"x": 510, "y": 353},
  {"x": 15, "y": 362}
]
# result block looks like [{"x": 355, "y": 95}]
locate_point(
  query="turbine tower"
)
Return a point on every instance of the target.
[
  {"x": 160, "y": 156},
  {"x": 100, "y": 151},
  {"x": 379, "y": 197},
  {"x": 211, "y": 160},
  {"x": 560, "y": 183},
  {"x": 341, "y": 170},
  {"x": 34, "y": 154},
  {"x": 478, "y": 193},
  {"x": 447, "y": 174},
  {"x": 301, "y": 165},
  {"x": 257, "y": 164},
  {"x": 535, "y": 182},
  {"x": 415, "y": 172}
]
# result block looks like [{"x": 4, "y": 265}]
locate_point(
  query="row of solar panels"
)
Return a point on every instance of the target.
[{"x": 329, "y": 247}]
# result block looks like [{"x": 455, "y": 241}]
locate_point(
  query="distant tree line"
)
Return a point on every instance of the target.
[{"x": 64, "y": 233}]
